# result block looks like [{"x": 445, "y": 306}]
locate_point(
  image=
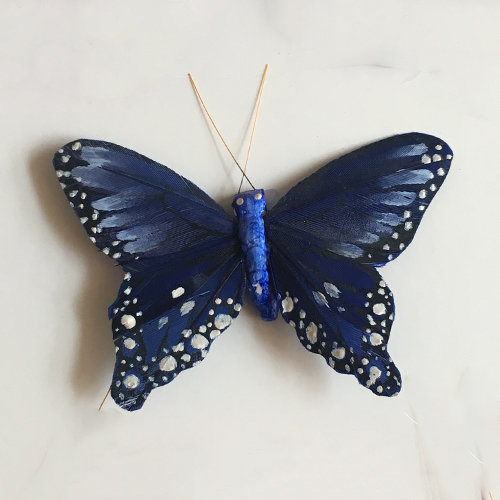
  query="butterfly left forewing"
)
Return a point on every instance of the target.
[
  {"x": 134, "y": 208},
  {"x": 340, "y": 310}
]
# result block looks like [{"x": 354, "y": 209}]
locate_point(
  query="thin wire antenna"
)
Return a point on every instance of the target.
[
  {"x": 254, "y": 123},
  {"x": 217, "y": 130},
  {"x": 107, "y": 394}
]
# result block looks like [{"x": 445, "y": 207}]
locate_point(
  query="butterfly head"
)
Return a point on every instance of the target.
[{"x": 250, "y": 202}]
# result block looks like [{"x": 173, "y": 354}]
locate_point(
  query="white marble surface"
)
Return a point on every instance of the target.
[{"x": 260, "y": 418}]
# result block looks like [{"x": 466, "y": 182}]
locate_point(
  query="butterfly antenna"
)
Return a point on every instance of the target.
[
  {"x": 254, "y": 123},
  {"x": 107, "y": 394},
  {"x": 217, "y": 130}
]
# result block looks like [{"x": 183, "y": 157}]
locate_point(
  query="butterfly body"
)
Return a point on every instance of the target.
[
  {"x": 250, "y": 208},
  {"x": 314, "y": 255}
]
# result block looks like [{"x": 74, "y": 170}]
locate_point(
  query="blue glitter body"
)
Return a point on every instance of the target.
[{"x": 250, "y": 207}]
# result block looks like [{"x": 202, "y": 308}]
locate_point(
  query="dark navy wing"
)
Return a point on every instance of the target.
[
  {"x": 160, "y": 331},
  {"x": 367, "y": 205},
  {"x": 340, "y": 309},
  {"x": 134, "y": 208},
  {"x": 181, "y": 255}
]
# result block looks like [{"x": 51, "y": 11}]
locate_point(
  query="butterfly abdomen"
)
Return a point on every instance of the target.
[{"x": 250, "y": 207}]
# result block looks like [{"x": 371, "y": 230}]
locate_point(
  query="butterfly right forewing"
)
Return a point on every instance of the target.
[{"x": 367, "y": 205}]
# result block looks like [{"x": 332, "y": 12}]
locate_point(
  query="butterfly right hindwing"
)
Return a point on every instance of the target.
[{"x": 340, "y": 310}]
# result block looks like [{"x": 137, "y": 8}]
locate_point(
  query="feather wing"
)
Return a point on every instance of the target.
[
  {"x": 184, "y": 267},
  {"x": 340, "y": 310},
  {"x": 134, "y": 208},
  {"x": 330, "y": 231},
  {"x": 160, "y": 331},
  {"x": 367, "y": 205}
]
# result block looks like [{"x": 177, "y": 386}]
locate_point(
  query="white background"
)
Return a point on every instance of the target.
[{"x": 261, "y": 417}]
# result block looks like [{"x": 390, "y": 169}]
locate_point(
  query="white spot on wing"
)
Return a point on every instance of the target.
[
  {"x": 376, "y": 339},
  {"x": 379, "y": 309},
  {"x": 162, "y": 322},
  {"x": 186, "y": 307},
  {"x": 131, "y": 382},
  {"x": 178, "y": 292},
  {"x": 287, "y": 304},
  {"x": 128, "y": 321},
  {"x": 339, "y": 353},
  {"x": 222, "y": 321},
  {"x": 312, "y": 333},
  {"x": 179, "y": 347},
  {"x": 331, "y": 290},
  {"x": 374, "y": 375},
  {"x": 214, "y": 334},
  {"x": 199, "y": 341},
  {"x": 129, "y": 343},
  {"x": 320, "y": 299},
  {"x": 168, "y": 364}
]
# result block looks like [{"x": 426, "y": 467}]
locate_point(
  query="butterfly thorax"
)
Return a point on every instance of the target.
[{"x": 250, "y": 208}]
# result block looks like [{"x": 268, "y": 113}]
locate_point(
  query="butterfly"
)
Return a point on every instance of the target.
[{"x": 312, "y": 257}]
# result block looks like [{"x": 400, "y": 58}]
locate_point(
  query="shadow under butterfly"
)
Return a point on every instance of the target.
[{"x": 312, "y": 256}]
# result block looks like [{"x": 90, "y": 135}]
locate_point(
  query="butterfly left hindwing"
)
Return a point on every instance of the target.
[{"x": 160, "y": 331}]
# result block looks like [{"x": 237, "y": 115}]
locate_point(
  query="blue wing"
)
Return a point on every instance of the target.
[
  {"x": 179, "y": 249},
  {"x": 330, "y": 231},
  {"x": 368, "y": 204},
  {"x": 341, "y": 310},
  {"x": 134, "y": 208},
  {"x": 160, "y": 331}
]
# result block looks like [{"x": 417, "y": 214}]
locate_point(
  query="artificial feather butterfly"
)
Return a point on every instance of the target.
[{"x": 312, "y": 257}]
